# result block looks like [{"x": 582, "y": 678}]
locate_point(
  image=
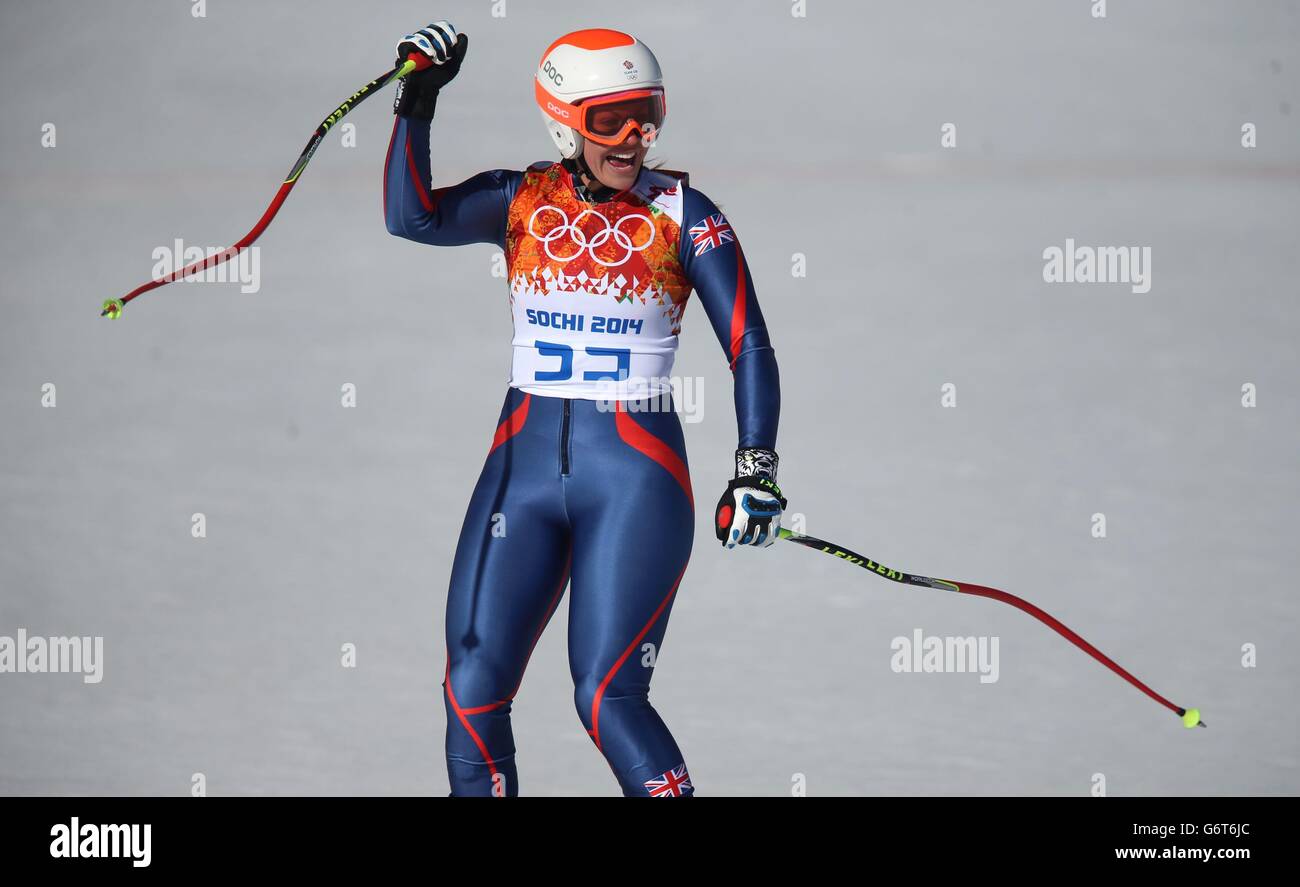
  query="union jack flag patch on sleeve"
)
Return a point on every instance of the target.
[
  {"x": 673, "y": 784},
  {"x": 714, "y": 231}
]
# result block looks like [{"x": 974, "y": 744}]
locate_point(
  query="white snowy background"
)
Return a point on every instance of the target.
[{"x": 817, "y": 135}]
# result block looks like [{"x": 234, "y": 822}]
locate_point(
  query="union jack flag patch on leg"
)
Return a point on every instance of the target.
[
  {"x": 714, "y": 231},
  {"x": 673, "y": 784}
]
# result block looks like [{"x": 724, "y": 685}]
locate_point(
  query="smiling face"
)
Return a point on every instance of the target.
[{"x": 616, "y": 167}]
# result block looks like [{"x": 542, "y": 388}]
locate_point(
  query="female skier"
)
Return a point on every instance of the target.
[{"x": 587, "y": 468}]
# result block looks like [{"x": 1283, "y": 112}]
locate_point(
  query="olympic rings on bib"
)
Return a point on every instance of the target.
[{"x": 579, "y": 237}]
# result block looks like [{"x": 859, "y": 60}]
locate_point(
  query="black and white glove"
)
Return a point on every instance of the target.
[
  {"x": 444, "y": 49},
  {"x": 749, "y": 512}
]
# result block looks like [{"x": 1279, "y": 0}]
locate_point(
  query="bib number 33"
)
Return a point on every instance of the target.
[{"x": 621, "y": 358}]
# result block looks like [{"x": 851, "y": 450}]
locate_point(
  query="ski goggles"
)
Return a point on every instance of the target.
[{"x": 610, "y": 119}]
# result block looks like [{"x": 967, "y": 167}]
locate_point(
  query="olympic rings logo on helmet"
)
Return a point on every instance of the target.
[{"x": 589, "y": 244}]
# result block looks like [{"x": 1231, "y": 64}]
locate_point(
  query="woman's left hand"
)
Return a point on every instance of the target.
[{"x": 749, "y": 512}]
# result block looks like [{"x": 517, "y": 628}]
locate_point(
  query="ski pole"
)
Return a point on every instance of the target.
[
  {"x": 1191, "y": 716},
  {"x": 112, "y": 308}
]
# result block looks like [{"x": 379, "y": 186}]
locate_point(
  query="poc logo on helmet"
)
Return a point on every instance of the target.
[
  {"x": 550, "y": 71},
  {"x": 557, "y": 110}
]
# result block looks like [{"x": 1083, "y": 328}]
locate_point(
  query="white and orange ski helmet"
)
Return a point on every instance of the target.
[{"x": 601, "y": 85}]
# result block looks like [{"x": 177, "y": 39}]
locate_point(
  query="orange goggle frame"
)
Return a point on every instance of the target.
[{"x": 590, "y": 116}]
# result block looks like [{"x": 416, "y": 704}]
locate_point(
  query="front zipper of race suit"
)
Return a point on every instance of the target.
[{"x": 566, "y": 417}]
